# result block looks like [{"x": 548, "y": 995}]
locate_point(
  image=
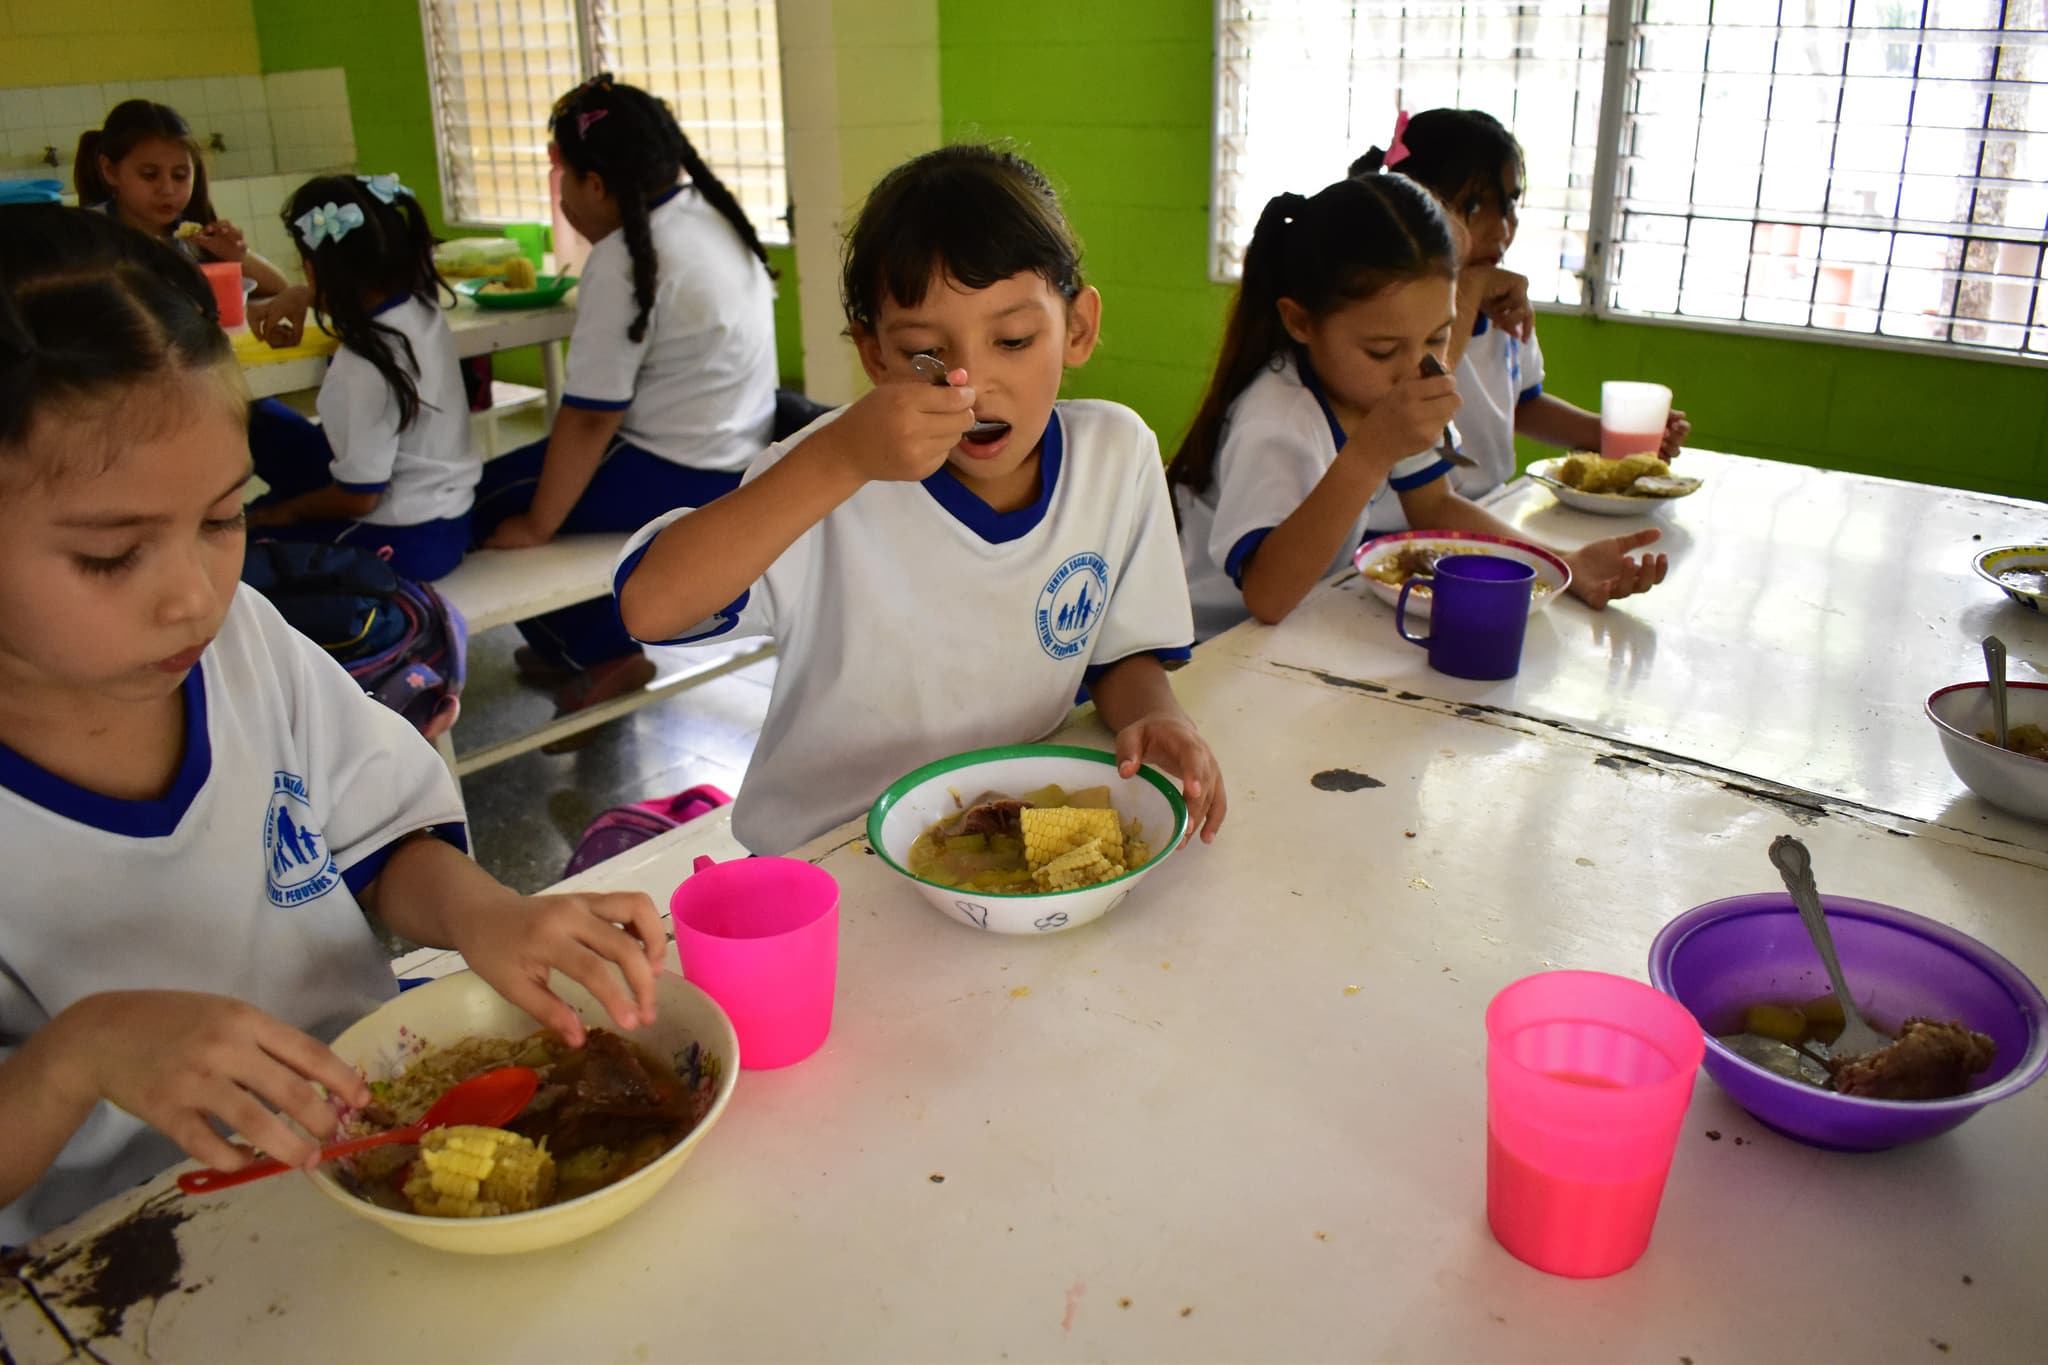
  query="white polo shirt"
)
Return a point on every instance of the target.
[
  {"x": 239, "y": 881},
  {"x": 1279, "y": 438},
  {"x": 699, "y": 388},
  {"x": 428, "y": 471},
  {"x": 914, "y": 622}
]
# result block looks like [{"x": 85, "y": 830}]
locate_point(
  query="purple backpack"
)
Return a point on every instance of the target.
[{"x": 624, "y": 827}]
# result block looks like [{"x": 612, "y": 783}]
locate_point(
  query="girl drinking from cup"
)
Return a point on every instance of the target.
[
  {"x": 671, "y": 384},
  {"x": 144, "y": 167},
  {"x": 1320, "y": 415},
  {"x": 1474, "y": 167},
  {"x": 390, "y": 467},
  {"x": 201, "y": 814},
  {"x": 942, "y": 566}
]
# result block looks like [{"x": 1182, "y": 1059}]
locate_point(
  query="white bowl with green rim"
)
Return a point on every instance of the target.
[
  {"x": 2018, "y": 571},
  {"x": 938, "y": 790}
]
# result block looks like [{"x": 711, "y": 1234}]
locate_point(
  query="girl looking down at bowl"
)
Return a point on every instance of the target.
[
  {"x": 201, "y": 814},
  {"x": 942, "y": 565},
  {"x": 1319, "y": 410}
]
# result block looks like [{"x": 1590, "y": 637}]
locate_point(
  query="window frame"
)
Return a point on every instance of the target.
[{"x": 1619, "y": 68}]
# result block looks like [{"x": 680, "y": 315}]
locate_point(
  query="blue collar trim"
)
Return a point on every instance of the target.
[
  {"x": 134, "y": 819},
  {"x": 1315, "y": 386},
  {"x": 658, "y": 200},
  {"x": 395, "y": 301},
  {"x": 1000, "y": 528},
  {"x": 1480, "y": 325}
]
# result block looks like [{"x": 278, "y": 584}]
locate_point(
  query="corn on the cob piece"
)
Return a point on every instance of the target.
[
  {"x": 1083, "y": 866},
  {"x": 1050, "y": 831},
  {"x": 469, "y": 1172}
]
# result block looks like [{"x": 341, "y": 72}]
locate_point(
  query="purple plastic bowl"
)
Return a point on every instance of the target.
[{"x": 1728, "y": 954}]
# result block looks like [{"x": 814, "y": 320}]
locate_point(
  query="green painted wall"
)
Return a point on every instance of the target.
[
  {"x": 380, "y": 45},
  {"x": 1113, "y": 100}
]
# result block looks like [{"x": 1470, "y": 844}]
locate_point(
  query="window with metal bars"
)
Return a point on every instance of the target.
[
  {"x": 1851, "y": 166},
  {"x": 499, "y": 65}
]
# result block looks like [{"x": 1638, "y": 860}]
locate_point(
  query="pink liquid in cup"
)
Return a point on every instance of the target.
[
  {"x": 1587, "y": 1081},
  {"x": 1632, "y": 418},
  {"x": 761, "y": 937},
  {"x": 225, "y": 278}
]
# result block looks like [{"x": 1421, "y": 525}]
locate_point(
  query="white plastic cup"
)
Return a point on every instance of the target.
[{"x": 1632, "y": 418}]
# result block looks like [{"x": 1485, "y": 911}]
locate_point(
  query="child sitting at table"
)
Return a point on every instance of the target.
[
  {"x": 942, "y": 566},
  {"x": 390, "y": 467},
  {"x": 1474, "y": 167},
  {"x": 199, "y": 812},
  {"x": 1319, "y": 408},
  {"x": 671, "y": 383},
  {"x": 144, "y": 167}
]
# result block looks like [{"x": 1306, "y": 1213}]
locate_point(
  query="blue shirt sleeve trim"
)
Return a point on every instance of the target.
[
  {"x": 1533, "y": 391},
  {"x": 1171, "y": 658},
  {"x": 1420, "y": 477},
  {"x": 366, "y": 870},
  {"x": 725, "y": 620},
  {"x": 1240, "y": 554},
  {"x": 362, "y": 487},
  {"x": 570, "y": 400},
  {"x": 1479, "y": 325}
]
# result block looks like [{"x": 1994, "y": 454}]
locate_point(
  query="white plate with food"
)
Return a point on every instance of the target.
[
  {"x": 1633, "y": 486},
  {"x": 2018, "y": 571},
  {"x": 1386, "y": 562}
]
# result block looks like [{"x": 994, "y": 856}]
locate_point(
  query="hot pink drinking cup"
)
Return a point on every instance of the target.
[
  {"x": 1587, "y": 1080},
  {"x": 761, "y": 937},
  {"x": 225, "y": 279}
]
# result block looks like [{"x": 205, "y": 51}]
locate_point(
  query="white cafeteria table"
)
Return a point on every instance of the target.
[{"x": 1241, "y": 1117}]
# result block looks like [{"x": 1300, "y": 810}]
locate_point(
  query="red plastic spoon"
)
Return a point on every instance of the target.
[{"x": 486, "y": 1101}]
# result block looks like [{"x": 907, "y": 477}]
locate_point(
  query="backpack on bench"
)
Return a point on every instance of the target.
[{"x": 401, "y": 641}]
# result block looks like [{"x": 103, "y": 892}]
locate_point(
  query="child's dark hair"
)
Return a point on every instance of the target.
[
  {"x": 1457, "y": 153},
  {"x": 89, "y": 307},
  {"x": 629, "y": 137},
  {"x": 974, "y": 213},
  {"x": 1345, "y": 243},
  {"x": 389, "y": 255},
  {"x": 130, "y": 124}
]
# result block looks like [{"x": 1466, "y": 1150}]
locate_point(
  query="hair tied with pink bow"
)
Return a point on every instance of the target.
[
  {"x": 1397, "y": 150},
  {"x": 588, "y": 117}
]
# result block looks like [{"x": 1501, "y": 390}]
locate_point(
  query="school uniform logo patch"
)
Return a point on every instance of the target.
[
  {"x": 296, "y": 859},
  {"x": 1070, "y": 604}
]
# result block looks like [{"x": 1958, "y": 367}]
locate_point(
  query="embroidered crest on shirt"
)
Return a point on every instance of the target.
[
  {"x": 1070, "y": 604},
  {"x": 296, "y": 860}
]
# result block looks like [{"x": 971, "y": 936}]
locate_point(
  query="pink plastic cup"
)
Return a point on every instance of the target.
[
  {"x": 225, "y": 277},
  {"x": 761, "y": 937},
  {"x": 1587, "y": 1080}
]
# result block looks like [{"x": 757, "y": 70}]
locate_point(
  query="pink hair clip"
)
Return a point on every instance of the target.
[
  {"x": 588, "y": 117},
  {"x": 1397, "y": 150}
]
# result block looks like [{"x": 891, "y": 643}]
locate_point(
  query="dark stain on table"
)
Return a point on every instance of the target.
[
  {"x": 1339, "y": 680},
  {"x": 135, "y": 1261},
  {"x": 1343, "y": 780}
]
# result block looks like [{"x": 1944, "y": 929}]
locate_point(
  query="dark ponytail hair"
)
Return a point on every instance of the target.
[
  {"x": 1455, "y": 153},
  {"x": 130, "y": 124},
  {"x": 88, "y": 308},
  {"x": 630, "y": 139},
  {"x": 1345, "y": 243},
  {"x": 973, "y": 213},
  {"x": 390, "y": 255}
]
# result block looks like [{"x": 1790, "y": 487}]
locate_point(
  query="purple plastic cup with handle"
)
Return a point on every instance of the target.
[
  {"x": 1478, "y": 614},
  {"x": 761, "y": 937}
]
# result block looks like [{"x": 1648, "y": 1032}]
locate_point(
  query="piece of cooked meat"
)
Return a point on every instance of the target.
[
  {"x": 604, "y": 1095},
  {"x": 1930, "y": 1060},
  {"x": 990, "y": 814}
]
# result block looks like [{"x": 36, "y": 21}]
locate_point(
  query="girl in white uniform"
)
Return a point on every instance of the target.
[
  {"x": 390, "y": 468},
  {"x": 1474, "y": 167},
  {"x": 671, "y": 383},
  {"x": 199, "y": 811},
  {"x": 933, "y": 590},
  {"x": 1319, "y": 410}
]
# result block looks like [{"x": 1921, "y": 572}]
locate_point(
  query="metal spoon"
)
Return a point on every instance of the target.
[
  {"x": 934, "y": 369},
  {"x": 1795, "y": 865},
  {"x": 1994, "y": 664},
  {"x": 1449, "y": 447}
]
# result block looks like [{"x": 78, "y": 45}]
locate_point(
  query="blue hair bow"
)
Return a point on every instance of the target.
[
  {"x": 328, "y": 223},
  {"x": 385, "y": 187}
]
